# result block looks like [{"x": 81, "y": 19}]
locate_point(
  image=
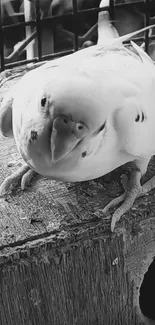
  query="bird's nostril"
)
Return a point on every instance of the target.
[{"x": 80, "y": 129}]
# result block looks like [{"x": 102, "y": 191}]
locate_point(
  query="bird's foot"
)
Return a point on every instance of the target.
[
  {"x": 133, "y": 190},
  {"x": 24, "y": 173}
]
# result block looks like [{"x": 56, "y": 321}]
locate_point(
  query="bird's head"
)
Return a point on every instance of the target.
[{"x": 56, "y": 118}]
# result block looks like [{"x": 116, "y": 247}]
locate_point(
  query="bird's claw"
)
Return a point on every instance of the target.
[
  {"x": 26, "y": 178},
  {"x": 24, "y": 173},
  {"x": 132, "y": 190}
]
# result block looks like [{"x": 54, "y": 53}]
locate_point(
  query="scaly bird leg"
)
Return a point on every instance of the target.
[
  {"x": 24, "y": 173},
  {"x": 133, "y": 190}
]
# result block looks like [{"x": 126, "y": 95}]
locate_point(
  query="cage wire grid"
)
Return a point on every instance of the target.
[{"x": 76, "y": 14}]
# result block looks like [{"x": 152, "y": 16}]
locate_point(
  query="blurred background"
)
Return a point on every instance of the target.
[{"x": 38, "y": 30}]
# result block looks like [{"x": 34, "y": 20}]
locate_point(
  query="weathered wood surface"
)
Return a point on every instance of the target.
[{"x": 59, "y": 262}]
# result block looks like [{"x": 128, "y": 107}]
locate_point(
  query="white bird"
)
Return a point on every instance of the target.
[{"x": 81, "y": 116}]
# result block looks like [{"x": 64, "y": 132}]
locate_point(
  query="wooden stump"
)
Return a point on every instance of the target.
[{"x": 59, "y": 262}]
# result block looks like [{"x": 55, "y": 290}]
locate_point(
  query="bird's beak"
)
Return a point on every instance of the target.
[{"x": 66, "y": 134}]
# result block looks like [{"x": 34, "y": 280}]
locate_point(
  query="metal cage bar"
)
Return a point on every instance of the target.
[
  {"x": 76, "y": 14},
  {"x": 112, "y": 9},
  {"x": 147, "y": 22},
  {"x": 75, "y": 10},
  {"x": 38, "y": 29},
  {"x": 2, "y": 64}
]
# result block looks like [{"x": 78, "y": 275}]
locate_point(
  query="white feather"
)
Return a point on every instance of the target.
[{"x": 106, "y": 83}]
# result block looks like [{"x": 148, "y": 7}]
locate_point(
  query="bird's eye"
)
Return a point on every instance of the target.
[
  {"x": 43, "y": 101},
  {"x": 101, "y": 127},
  {"x": 80, "y": 127},
  {"x": 65, "y": 120}
]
